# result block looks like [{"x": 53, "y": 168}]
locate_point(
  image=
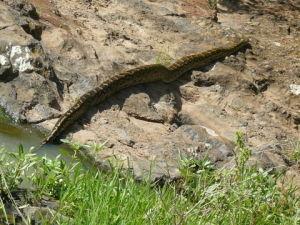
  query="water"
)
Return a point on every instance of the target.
[{"x": 12, "y": 135}]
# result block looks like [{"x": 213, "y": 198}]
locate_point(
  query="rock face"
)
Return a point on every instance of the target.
[
  {"x": 52, "y": 52},
  {"x": 26, "y": 76}
]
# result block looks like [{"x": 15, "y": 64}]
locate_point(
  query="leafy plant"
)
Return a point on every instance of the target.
[
  {"x": 97, "y": 146},
  {"x": 14, "y": 167},
  {"x": 50, "y": 176},
  {"x": 241, "y": 153},
  {"x": 76, "y": 146}
]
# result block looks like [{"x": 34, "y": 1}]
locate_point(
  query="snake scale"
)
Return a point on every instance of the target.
[{"x": 140, "y": 75}]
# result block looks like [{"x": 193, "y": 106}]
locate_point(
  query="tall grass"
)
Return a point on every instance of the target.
[{"x": 204, "y": 195}]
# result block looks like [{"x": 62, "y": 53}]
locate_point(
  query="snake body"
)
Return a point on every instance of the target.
[{"x": 140, "y": 75}]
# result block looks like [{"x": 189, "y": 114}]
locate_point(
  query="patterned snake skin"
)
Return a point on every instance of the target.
[{"x": 140, "y": 75}]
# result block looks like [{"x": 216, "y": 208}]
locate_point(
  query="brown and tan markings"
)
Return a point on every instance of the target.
[{"x": 140, "y": 75}]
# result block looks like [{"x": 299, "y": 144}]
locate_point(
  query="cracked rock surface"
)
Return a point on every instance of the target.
[{"x": 52, "y": 52}]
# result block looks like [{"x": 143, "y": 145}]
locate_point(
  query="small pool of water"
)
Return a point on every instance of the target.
[{"x": 12, "y": 135}]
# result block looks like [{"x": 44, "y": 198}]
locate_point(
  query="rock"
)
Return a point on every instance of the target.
[
  {"x": 26, "y": 74},
  {"x": 45, "y": 211},
  {"x": 52, "y": 52},
  {"x": 6, "y": 70},
  {"x": 85, "y": 137},
  {"x": 25, "y": 8},
  {"x": 295, "y": 89},
  {"x": 4, "y": 61},
  {"x": 25, "y": 92},
  {"x": 139, "y": 106},
  {"x": 21, "y": 59},
  {"x": 156, "y": 104},
  {"x": 40, "y": 113},
  {"x": 269, "y": 157},
  {"x": 291, "y": 178},
  {"x": 126, "y": 141},
  {"x": 161, "y": 154},
  {"x": 201, "y": 79},
  {"x": 32, "y": 27},
  {"x": 38, "y": 215},
  {"x": 205, "y": 145}
]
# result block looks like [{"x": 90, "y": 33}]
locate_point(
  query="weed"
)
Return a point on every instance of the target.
[
  {"x": 4, "y": 117},
  {"x": 76, "y": 146},
  {"x": 241, "y": 153},
  {"x": 50, "y": 176},
  {"x": 205, "y": 194},
  {"x": 14, "y": 166},
  {"x": 296, "y": 152},
  {"x": 97, "y": 147},
  {"x": 242, "y": 195}
]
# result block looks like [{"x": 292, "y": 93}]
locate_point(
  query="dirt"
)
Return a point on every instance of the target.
[{"x": 84, "y": 42}]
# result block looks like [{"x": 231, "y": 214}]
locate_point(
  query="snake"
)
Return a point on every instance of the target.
[{"x": 140, "y": 75}]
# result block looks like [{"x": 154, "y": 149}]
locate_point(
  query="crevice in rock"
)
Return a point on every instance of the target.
[
  {"x": 182, "y": 15},
  {"x": 259, "y": 86},
  {"x": 145, "y": 118},
  {"x": 7, "y": 75},
  {"x": 33, "y": 28},
  {"x": 54, "y": 116},
  {"x": 200, "y": 80},
  {"x": 59, "y": 84},
  {"x": 182, "y": 119},
  {"x": 4, "y": 27}
]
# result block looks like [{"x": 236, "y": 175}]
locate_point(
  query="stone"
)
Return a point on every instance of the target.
[
  {"x": 84, "y": 137},
  {"x": 6, "y": 70},
  {"x": 51, "y": 59},
  {"x": 295, "y": 89},
  {"x": 21, "y": 59},
  {"x": 25, "y": 8},
  {"x": 40, "y": 113},
  {"x": 38, "y": 215},
  {"x": 140, "y": 106}
]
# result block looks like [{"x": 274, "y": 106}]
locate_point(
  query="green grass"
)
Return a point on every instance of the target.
[
  {"x": 4, "y": 117},
  {"x": 204, "y": 195},
  {"x": 296, "y": 152}
]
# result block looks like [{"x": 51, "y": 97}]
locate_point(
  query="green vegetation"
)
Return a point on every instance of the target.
[
  {"x": 77, "y": 146},
  {"x": 212, "y": 4},
  {"x": 296, "y": 152},
  {"x": 204, "y": 195},
  {"x": 4, "y": 117}
]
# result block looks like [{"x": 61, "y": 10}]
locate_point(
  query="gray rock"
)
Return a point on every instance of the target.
[{"x": 6, "y": 70}]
